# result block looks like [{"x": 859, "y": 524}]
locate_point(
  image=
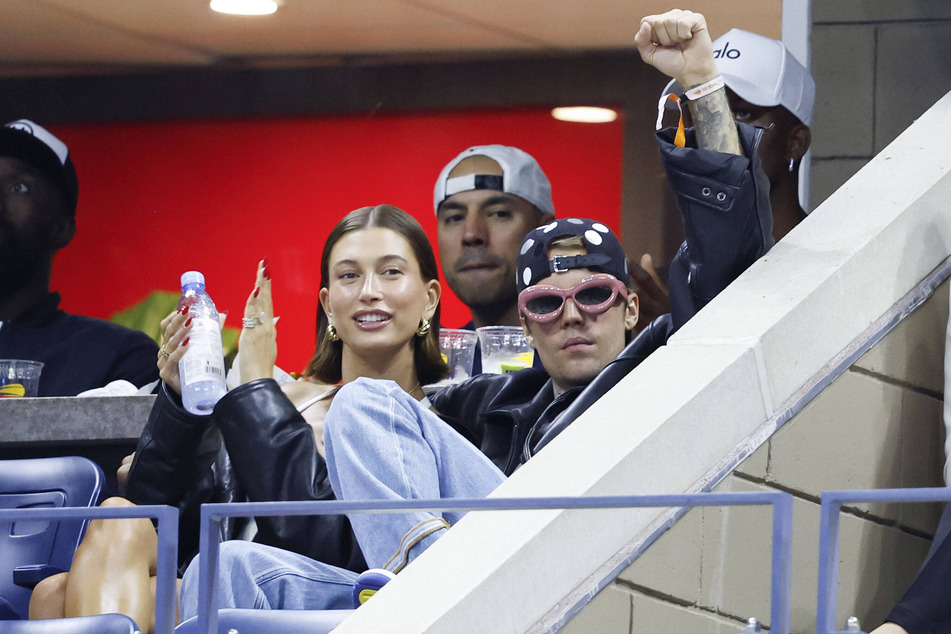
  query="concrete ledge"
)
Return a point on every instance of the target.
[{"x": 72, "y": 419}]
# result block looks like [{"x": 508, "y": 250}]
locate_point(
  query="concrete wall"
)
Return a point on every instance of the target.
[
  {"x": 878, "y": 65},
  {"x": 878, "y": 425}
]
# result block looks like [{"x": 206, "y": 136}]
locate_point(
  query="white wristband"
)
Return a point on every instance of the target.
[{"x": 703, "y": 90}]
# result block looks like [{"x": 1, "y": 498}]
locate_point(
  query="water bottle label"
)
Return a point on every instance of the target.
[{"x": 204, "y": 360}]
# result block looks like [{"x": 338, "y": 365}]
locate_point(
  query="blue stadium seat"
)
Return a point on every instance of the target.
[
  {"x": 30, "y": 551},
  {"x": 100, "y": 624}
]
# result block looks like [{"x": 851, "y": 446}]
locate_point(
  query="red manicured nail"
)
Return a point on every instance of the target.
[
  {"x": 256, "y": 291},
  {"x": 185, "y": 343},
  {"x": 267, "y": 272},
  {"x": 188, "y": 323},
  {"x": 185, "y": 309},
  {"x": 265, "y": 262}
]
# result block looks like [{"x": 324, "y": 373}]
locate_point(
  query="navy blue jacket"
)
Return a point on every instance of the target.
[
  {"x": 925, "y": 607},
  {"x": 79, "y": 353}
]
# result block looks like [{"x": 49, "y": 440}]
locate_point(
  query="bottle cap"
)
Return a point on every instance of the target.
[{"x": 192, "y": 277}]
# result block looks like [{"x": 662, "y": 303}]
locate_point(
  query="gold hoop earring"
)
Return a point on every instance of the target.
[
  {"x": 332, "y": 333},
  {"x": 424, "y": 327}
]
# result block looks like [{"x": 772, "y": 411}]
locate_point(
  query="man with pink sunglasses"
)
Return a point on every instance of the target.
[{"x": 574, "y": 302}]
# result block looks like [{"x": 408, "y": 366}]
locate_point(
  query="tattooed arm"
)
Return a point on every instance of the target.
[
  {"x": 678, "y": 44},
  {"x": 714, "y": 123}
]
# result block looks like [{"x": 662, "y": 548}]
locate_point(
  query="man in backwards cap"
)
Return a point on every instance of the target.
[
  {"x": 486, "y": 200},
  {"x": 575, "y": 304},
  {"x": 38, "y": 193}
]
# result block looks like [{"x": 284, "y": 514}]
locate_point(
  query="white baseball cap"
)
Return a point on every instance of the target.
[
  {"x": 521, "y": 176},
  {"x": 762, "y": 71}
]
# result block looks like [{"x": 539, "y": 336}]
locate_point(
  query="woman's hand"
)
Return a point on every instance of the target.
[
  {"x": 258, "y": 340},
  {"x": 175, "y": 329}
]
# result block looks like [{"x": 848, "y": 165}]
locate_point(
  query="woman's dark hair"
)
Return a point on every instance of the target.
[{"x": 326, "y": 362}]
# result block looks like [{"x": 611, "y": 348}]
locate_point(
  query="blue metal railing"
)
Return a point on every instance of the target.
[
  {"x": 166, "y": 564},
  {"x": 212, "y": 516},
  {"x": 832, "y": 502}
]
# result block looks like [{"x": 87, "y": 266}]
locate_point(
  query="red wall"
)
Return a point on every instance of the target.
[{"x": 157, "y": 199}]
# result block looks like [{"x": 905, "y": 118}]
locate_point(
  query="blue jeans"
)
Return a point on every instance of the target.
[
  {"x": 383, "y": 444},
  {"x": 256, "y": 576}
]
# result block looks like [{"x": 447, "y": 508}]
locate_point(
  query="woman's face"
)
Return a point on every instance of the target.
[{"x": 375, "y": 296}]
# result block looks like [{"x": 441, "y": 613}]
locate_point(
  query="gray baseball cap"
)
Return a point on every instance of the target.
[{"x": 521, "y": 176}]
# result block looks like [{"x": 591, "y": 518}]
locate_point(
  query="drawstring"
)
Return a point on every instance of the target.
[{"x": 680, "y": 138}]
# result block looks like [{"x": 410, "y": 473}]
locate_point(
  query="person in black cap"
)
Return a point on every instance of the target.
[
  {"x": 38, "y": 194},
  {"x": 575, "y": 304}
]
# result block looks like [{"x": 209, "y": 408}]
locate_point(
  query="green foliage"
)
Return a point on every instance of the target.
[{"x": 148, "y": 314}]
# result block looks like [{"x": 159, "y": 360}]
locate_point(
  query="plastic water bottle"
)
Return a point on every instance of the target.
[{"x": 202, "y": 369}]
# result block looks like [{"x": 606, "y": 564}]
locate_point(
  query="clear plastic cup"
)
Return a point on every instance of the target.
[
  {"x": 458, "y": 349},
  {"x": 19, "y": 378},
  {"x": 504, "y": 349}
]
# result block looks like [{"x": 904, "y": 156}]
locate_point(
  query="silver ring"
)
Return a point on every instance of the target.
[
  {"x": 251, "y": 322},
  {"x": 164, "y": 352}
]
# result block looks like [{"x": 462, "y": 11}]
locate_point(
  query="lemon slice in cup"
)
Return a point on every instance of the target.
[
  {"x": 519, "y": 362},
  {"x": 12, "y": 390}
]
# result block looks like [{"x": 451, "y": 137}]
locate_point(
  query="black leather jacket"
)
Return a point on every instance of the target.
[
  {"x": 271, "y": 455},
  {"x": 511, "y": 416},
  {"x": 725, "y": 203}
]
